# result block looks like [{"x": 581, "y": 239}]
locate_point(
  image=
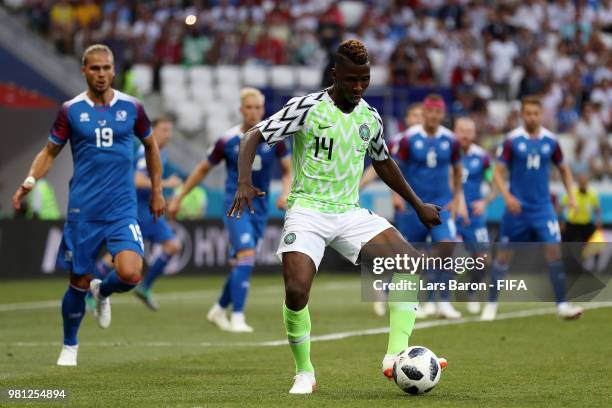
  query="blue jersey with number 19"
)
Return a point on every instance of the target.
[{"x": 101, "y": 138}]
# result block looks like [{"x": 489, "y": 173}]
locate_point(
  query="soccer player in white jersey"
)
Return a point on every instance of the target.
[{"x": 332, "y": 131}]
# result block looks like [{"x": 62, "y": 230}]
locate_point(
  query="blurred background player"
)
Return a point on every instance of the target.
[
  {"x": 155, "y": 231},
  {"x": 582, "y": 220},
  {"x": 332, "y": 132},
  {"x": 100, "y": 124},
  {"x": 244, "y": 233},
  {"x": 527, "y": 154},
  {"x": 476, "y": 167},
  {"x": 414, "y": 116},
  {"x": 428, "y": 154}
]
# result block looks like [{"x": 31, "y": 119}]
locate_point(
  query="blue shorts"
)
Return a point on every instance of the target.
[
  {"x": 155, "y": 232},
  {"x": 531, "y": 226},
  {"x": 244, "y": 232},
  {"x": 83, "y": 240},
  {"x": 475, "y": 234},
  {"x": 414, "y": 231}
]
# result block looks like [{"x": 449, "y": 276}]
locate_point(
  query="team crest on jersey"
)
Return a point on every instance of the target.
[
  {"x": 545, "y": 149},
  {"x": 444, "y": 145},
  {"x": 102, "y": 122},
  {"x": 84, "y": 117},
  {"x": 289, "y": 238},
  {"x": 265, "y": 148},
  {"x": 121, "y": 116},
  {"x": 474, "y": 162},
  {"x": 522, "y": 147},
  {"x": 418, "y": 144},
  {"x": 245, "y": 238},
  {"x": 364, "y": 132}
]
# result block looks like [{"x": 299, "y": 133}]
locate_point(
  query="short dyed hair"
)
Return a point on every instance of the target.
[
  {"x": 93, "y": 49},
  {"x": 249, "y": 91},
  {"x": 352, "y": 51}
]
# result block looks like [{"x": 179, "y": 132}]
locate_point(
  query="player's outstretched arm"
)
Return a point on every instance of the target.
[
  {"x": 157, "y": 205},
  {"x": 568, "y": 183},
  {"x": 459, "y": 207},
  {"x": 286, "y": 168},
  {"x": 499, "y": 180},
  {"x": 195, "y": 177},
  {"x": 39, "y": 168},
  {"x": 246, "y": 192},
  {"x": 389, "y": 172}
]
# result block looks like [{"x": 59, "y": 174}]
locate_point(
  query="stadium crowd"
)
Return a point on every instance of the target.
[{"x": 557, "y": 49}]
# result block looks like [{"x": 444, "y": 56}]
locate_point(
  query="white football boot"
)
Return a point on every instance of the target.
[
  {"x": 473, "y": 307},
  {"x": 447, "y": 311},
  {"x": 568, "y": 311},
  {"x": 430, "y": 308},
  {"x": 380, "y": 308},
  {"x": 216, "y": 315},
  {"x": 102, "y": 313},
  {"x": 420, "y": 312},
  {"x": 387, "y": 365},
  {"x": 489, "y": 312},
  {"x": 238, "y": 324},
  {"x": 304, "y": 383},
  {"x": 68, "y": 356}
]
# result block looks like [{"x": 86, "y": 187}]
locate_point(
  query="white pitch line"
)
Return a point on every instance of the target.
[
  {"x": 170, "y": 296},
  {"x": 325, "y": 337}
]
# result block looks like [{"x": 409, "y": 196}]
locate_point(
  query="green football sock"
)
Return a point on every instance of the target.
[
  {"x": 401, "y": 323},
  {"x": 297, "y": 325}
]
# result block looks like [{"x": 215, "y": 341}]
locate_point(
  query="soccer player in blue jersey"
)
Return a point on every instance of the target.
[
  {"x": 427, "y": 155},
  {"x": 100, "y": 124},
  {"x": 528, "y": 154},
  {"x": 244, "y": 233},
  {"x": 477, "y": 169},
  {"x": 155, "y": 231}
]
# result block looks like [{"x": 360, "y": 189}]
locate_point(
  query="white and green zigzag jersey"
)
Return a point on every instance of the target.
[{"x": 329, "y": 147}]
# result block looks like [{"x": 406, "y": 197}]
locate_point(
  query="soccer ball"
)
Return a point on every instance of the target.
[{"x": 416, "y": 370}]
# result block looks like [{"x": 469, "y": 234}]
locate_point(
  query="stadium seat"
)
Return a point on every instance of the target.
[
  {"x": 379, "y": 75},
  {"x": 309, "y": 78},
  {"x": 202, "y": 93},
  {"x": 175, "y": 74},
  {"x": 227, "y": 74},
  {"x": 282, "y": 76},
  {"x": 201, "y": 75},
  {"x": 189, "y": 117},
  {"x": 255, "y": 75},
  {"x": 143, "y": 78}
]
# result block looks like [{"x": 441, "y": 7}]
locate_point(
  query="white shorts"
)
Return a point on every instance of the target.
[{"x": 310, "y": 231}]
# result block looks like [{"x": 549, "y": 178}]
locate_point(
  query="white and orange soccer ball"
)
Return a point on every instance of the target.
[{"x": 417, "y": 370}]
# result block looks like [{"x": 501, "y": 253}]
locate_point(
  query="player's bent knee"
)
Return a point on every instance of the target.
[
  {"x": 80, "y": 281},
  {"x": 247, "y": 255}
]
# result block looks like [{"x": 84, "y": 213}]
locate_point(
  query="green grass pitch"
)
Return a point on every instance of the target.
[{"x": 174, "y": 358}]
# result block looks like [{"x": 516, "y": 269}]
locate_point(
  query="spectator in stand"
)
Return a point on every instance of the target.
[
  {"x": 87, "y": 13},
  {"x": 168, "y": 45},
  {"x": 269, "y": 50},
  {"x": 63, "y": 21},
  {"x": 590, "y": 134},
  {"x": 501, "y": 53},
  {"x": 567, "y": 115}
]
